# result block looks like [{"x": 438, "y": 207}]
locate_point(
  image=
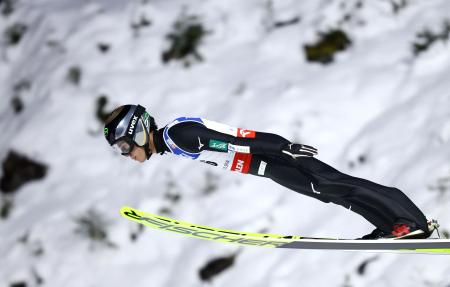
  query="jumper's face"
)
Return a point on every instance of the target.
[{"x": 138, "y": 154}]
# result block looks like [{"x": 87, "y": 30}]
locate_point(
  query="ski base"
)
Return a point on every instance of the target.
[{"x": 430, "y": 246}]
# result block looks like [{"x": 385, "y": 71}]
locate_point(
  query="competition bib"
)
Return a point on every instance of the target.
[{"x": 236, "y": 158}]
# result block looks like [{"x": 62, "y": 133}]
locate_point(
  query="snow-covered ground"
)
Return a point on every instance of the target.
[{"x": 376, "y": 101}]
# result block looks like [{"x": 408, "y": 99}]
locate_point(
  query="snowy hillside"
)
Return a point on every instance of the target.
[{"x": 378, "y": 108}]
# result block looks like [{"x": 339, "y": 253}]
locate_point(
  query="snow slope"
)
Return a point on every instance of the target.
[{"x": 376, "y": 102}]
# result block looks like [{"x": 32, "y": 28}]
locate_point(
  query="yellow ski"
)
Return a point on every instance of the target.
[{"x": 432, "y": 246}]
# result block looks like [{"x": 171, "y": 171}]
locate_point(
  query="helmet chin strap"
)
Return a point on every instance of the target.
[{"x": 148, "y": 152}]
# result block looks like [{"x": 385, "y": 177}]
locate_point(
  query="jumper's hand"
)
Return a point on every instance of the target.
[{"x": 299, "y": 150}]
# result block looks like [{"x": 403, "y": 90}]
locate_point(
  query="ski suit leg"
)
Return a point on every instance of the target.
[{"x": 380, "y": 205}]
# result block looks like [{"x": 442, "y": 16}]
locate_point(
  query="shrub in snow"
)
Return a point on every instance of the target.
[
  {"x": 14, "y": 33},
  {"x": 426, "y": 38},
  {"x": 22, "y": 85},
  {"x": 173, "y": 197},
  {"x": 6, "y": 207},
  {"x": 328, "y": 45},
  {"x": 211, "y": 183},
  {"x": 74, "y": 75},
  {"x": 351, "y": 13},
  {"x": 398, "y": 5},
  {"x": 19, "y": 89},
  {"x": 103, "y": 47},
  {"x": 269, "y": 20},
  {"x": 17, "y": 104},
  {"x": 37, "y": 278},
  {"x": 165, "y": 210},
  {"x": 134, "y": 235},
  {"x": 92, "y": 226},
  {"x": 18, "y": 170},
  {"x": 184, "y": 40},
  {"x": 19, "y": 284},
  {"x": 283, "y": 23},
  {"x": 172, "y": 193},
  {"x": 362, "y": 268},
  {"x": 361, "y": 159},
  {"x": 442, "y": 185},
  {"x": 142, "y": 23},
  {"x": 100, "y": 113},
  {"x": 216, "y": 266},
  {"x": 7, "y": 7}
]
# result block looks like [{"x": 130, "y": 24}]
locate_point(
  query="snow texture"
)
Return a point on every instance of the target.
[{"x": 376, "y": 112}]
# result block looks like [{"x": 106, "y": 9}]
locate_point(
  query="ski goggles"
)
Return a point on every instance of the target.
[{"x": 126, "y": 144}]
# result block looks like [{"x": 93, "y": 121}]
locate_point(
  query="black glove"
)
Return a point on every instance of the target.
[{"x": 297, "y": 151}]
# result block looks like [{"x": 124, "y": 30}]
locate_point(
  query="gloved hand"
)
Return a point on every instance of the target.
[{"x": 296, "y": 151}]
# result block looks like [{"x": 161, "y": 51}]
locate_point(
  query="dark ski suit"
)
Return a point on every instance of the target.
[{"x": 259, "y": 154}]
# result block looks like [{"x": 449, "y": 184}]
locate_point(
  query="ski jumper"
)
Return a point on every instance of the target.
[{"x": 259, "y": 154}]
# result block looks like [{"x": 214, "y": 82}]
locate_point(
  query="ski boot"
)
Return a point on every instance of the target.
[{"x": 403, "y": 231}]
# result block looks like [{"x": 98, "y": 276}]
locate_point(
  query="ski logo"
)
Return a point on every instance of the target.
[
  {"x": 133, "y": 125},
  {"x": 241, "y": 162},
  {"x": 200, "y": 145},
  {"x": 209, "y": 162},
  {"x": 313, "y": 189},
  {"x": 262, "y": 167},
  {"x": 146, "y": 122},
  {"x": 240, "y": 165},
  {"x": 219, "y": 145},
  {"x": 197, "y": 231},
  {"x": 246, "y": 133},
  {"x": 239, "y": 148}
]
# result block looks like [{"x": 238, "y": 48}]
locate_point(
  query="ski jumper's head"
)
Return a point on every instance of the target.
[{"x": 128, "y": 129}]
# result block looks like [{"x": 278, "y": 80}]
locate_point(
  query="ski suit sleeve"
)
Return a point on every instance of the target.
[{"x": 196, "y": 137}]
